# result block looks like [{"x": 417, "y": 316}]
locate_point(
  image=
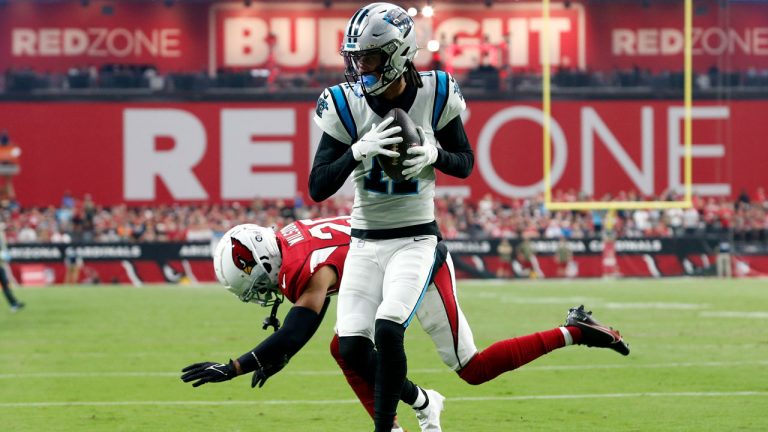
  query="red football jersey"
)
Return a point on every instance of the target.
[{"x": 306, "y": 246}]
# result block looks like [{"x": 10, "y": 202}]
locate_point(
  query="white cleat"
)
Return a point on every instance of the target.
[
  {"x": 429, "y": 417},
  {"x": 398, "y": 429}
]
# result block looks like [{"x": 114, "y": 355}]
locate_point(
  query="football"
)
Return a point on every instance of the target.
[{"x": 394, "y": 167}]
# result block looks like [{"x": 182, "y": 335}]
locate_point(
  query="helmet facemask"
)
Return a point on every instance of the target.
[
  {"x": 263, "y": 292},
  {"x": 372, "y": 69}
]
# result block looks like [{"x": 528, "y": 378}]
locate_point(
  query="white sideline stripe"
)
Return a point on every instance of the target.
[
  {"x": 657, "y": 305},
  {"x": 733, "y": 314},
  {"x": 413, "y": 371},
  {"x": 355, "y": 401}
]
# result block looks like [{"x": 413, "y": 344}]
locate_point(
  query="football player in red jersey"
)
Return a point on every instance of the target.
[{"x": 304, "y": 262}]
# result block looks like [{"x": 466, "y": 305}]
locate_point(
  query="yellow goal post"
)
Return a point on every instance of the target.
[{"x": 687, "y": 201}]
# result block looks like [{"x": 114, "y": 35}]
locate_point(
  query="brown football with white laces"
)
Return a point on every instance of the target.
[{"x": 393, "y": 167}]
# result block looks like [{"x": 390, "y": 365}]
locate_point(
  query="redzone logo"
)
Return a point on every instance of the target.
[
  {"x": 310, "y": 37},
  {"x": 96, "y": 42},
  {"x": 711, "y": 41}
]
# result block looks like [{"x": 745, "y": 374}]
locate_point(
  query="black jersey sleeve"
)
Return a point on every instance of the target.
[
  {"x": 332, "y": 166},
  {"x": 456, "y": 157}
]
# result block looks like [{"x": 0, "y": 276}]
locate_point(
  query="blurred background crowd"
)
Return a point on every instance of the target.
[{"x": 80, "y": 219}]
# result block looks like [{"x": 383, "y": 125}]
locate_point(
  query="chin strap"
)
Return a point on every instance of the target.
[{"x": 272, "y": 320}]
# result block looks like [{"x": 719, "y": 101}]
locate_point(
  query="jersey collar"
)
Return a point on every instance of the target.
[{"x": 381, "y": 106}]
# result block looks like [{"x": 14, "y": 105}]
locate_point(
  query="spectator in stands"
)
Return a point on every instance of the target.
[
  {"x": 14, "y": 303},
  {"x": 505, "y": 251},
  {"x": 526, "y": 265},
  {"x": 563, "y": 257},
  {"x": 73, "y": 264}
]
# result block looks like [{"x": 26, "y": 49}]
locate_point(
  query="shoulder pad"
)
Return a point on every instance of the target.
[
  {"x": 449, "y": 101},
  {"x": 333, "y": 114}
]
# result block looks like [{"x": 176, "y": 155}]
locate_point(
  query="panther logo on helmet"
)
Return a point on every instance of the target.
[{"x": 242, "y": 256}]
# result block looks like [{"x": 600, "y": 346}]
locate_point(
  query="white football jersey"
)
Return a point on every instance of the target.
[{"x": 380, "y": 203}]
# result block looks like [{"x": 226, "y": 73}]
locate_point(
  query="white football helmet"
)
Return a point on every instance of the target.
[
  {"x": 381, "y": 36},
  {"x": 247, "y": 261}
]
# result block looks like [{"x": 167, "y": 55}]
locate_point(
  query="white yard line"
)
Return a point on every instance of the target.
[
  {"x": 445, "y": 370},
  {"x": 355, "y": 401}
]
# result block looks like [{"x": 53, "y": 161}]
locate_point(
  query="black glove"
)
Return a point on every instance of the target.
[
  {"x": 208, "y": 372},
  {"x": 261, "y": 375}
]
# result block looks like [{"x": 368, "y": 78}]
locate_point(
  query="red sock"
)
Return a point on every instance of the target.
[
  {"x": 362, "y": 388},
  {"x": 512, "y": 353},
  {"x": 575, "y": 334}
]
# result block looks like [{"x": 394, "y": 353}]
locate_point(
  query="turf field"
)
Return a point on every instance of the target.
[{"x": 107, "y": 359}]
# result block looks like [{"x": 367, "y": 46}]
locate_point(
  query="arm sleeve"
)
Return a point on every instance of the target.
[
  {"x": 332, "y": 166},
  {"x": 298, "y": 327},
  {"x": 455, "y": 158}
]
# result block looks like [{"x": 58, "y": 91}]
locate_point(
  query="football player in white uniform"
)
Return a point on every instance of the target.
[{"x": 394, "y": 232}]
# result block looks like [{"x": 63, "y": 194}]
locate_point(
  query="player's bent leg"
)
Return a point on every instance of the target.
[
  {"x": 362, "y": 386},
  {"x": 442, "y": 318},
  {"x": 510, "y": 354}
]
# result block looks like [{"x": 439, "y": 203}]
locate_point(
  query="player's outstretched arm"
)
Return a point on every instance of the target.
[
  {"x": 271, "y": 355},
  {"x": 268, "y": 358}
]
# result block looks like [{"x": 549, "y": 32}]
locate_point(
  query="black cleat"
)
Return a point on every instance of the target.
[{"x": 595, "y": 334}]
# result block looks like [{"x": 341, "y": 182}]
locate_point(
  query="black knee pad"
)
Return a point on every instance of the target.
[
  {"x": 389, "y": 336},
  {"x": 355, "y": 351}
]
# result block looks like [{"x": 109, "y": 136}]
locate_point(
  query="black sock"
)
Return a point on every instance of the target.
[
  {"x": 359, "y": 354},
  {"x": 390, "y": 372}
]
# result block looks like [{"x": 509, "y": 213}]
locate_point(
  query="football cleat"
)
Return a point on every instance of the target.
[
  {"x": 429, "y": 417},
  {"x": 17, "y": 307},
  {"x": 595, "y": 334}
]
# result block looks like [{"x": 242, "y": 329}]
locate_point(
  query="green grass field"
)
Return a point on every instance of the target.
[{"x": 107, "y": 359}]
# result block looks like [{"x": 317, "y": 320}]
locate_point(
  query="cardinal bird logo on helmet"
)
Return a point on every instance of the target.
[{"x": 242, "y": 256}]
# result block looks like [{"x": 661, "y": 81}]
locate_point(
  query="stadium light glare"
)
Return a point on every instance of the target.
[
  {"x": 428, "y": 11},
  {"x": 412, "y": 11},
  {"x": 433, "y": 45}
]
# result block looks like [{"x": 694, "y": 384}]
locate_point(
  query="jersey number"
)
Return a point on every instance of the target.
[
  {"x": 375, "y": 182},
  {"x": 316, "y": 227}
]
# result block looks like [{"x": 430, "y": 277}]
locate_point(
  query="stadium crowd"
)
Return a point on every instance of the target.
[
  {"x": 484, "y": 77},
  {"x": 83, "y": 220}
]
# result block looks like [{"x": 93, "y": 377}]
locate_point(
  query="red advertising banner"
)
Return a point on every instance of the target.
[
  {"x": 726, "y": 35},
  {"x": 297, "y": 37},
  {"x": 163, "y": 152},
  {"x": 56, "y": 36}
]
